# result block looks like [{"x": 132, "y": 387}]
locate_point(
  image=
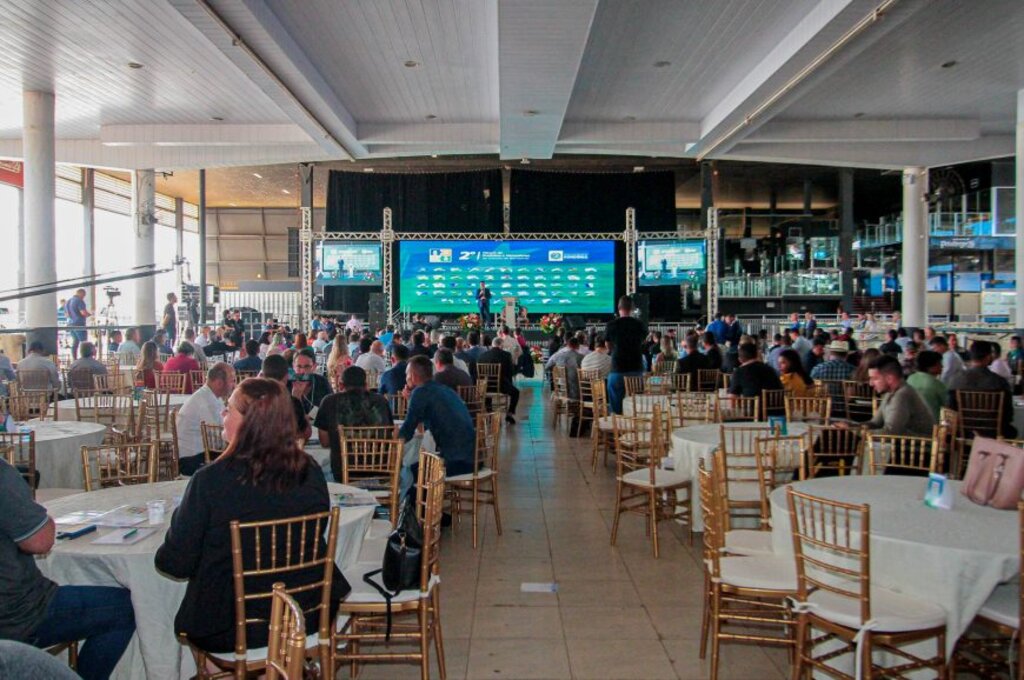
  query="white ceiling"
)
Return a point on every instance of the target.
[{"x": 320, "y": 80}]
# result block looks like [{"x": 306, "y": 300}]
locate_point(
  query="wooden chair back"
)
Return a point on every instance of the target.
[
  {"x": 430, "y": 488},
  {"x": 638, "y": 443},
  {"x": 491, "y": 375},
  {"x": 559, "y": 384},
  {"x": 710, "y": 506},
  {"x": 708, "y": 379},
  {"x": 196, "y": 379},
  {"x": 634, "y": 384},
  {"x": 119, "y": 465},
  {"x": 859, "y": 399},
  {"x": 22, "y": 454},
  {"x": 170, "y": 383},
  {"x": 33, "y": 380},
  {"x": 773, "y": 402},
  {"x": 780, "y": 460},
  {"x": 79, "y": 379},
  {"x": 372, "y": 463},
  {"x": 114, "y": 381},
  {"x": 903, "y": 452},
  {"x": 372, "y": 381},
  {"x": 286, "y": 646},
  {"x": 213, "y": 440},
  {"x": 488, "y": 440},
  {"x": 833, "y": 450},
  {"x": 28, "y": 406},
  {"x": 981, "y": 412},
  {"x": 399, "y": 405},
  {"x": 695, "y": 408},
  {"x": 808, "y": 409},
  {"x": 473, "y": 397},
  {"x": 737, "y": 409}
]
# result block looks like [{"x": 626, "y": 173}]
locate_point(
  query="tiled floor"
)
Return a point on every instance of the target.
[{"x": 618, "y": 612}]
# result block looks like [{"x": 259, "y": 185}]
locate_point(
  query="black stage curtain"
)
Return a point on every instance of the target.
[
  {"x": 423, "y": 202},
  {"x": 570, "y": 202}
]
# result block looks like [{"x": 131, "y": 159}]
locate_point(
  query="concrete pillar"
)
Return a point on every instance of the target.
[
  {"x": 89, "y": 235},
  {"x": 40, "y": 231},
  {"x": 202, "y": 248},
  {"x": 847, "y": 234},
  {"x": 1019, "y": 266},
  {"x": 143, "y": 219},
  {"x": 914, "y": 276}
]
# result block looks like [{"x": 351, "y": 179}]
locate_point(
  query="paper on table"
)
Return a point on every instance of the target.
[
  {"x": 121, "y": 537},
  {"x": 123, "y": 516},
  {"x": 80, "y": 517},
  {"x": 350, "y": 500}
]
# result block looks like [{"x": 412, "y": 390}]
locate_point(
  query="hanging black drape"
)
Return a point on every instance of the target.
[
  {"x": 424, "y": 202},
  {"x": 591, "y": 202}
]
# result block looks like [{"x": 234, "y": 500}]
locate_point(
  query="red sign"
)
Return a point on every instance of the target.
[{"x": 13, "y": 173}]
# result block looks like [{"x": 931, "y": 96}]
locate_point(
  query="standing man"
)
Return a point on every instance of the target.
[
  {"x": 483, "y": 303},
  {"x": 169, "y": 321},
  {"x": 625, "y": 336},
  {"x": 77, "y": 313}
]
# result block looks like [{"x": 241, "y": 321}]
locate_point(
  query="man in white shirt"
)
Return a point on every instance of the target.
[
  {"x": 321, "y": 342},
  {"x": 510, "y": 345},
  {"x": 598, "y": 360},
  {"x": 38, "y": 361},
  {"x": 203, "y": 339},
  {"x": 129, "y": 350},
  {"x": 952, "y": 364},
  {"x": 568, "y": 357},
  {"x": 205, "y": 405},
  {"x": 373, "y": 358}
]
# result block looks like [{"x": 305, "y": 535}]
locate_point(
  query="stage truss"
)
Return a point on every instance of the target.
[{"x": 387, "y": 238}]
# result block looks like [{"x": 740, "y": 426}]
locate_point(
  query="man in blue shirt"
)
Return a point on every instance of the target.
[
  {"x": 717, "y": 328},
  {"x": 77, "y": 313},
  {"x": 251, "y": 363},
  {"x": 733, "y": 330},
  {"x": 441, "y": 411},
  {"x": 387, "y": 336},
  {"x": 392, "y": 381}
]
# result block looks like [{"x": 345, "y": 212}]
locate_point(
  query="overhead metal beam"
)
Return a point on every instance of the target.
[
  {"x": 202, "y": 135},
  {"x": 431, "y": 134},
  {"x": 675, "y": 133},
  {"x": 861, "y": 131}
]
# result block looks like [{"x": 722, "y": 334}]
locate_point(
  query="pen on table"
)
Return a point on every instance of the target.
[
  {"x": 70, "y": 535},
  {"x": 128, "y": 534}
]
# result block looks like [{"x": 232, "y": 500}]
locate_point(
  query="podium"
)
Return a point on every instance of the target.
[{"x": 508, "y": 312}]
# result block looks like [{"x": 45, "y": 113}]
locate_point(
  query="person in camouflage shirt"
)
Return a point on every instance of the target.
[{"x": 354, "y": 406}]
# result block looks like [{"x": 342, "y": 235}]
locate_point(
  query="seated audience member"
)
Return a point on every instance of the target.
[
  {"x": 863, "y": 362},
  {"x": 712, "y": 351},
  {"x": 114, "y": 341},
  {"x": 197, "y": 352},
  {"x": 496, "y": 355},
  {"x": 510, "y": 344},
  {"x": 952, "y": 364},
  {"x": 34, "y": 609},
  {"x": 451, "y": 343},
  {"x": 419, "y": 347},
  {"x": 36, "y": 360},
  {"x": 568, "y": 357},
  {"x": 779, "y": 343},
  {"x": 354, "y": 406},
  {"x": 463, "y": 355},
  {"x": 978, "y": 378},
  {"x": 792, "y": 375},
  {"x": 693, "y": 361},
  {"x": 1015, "y": 357},
  {"x": 183, "y": 362},
  {"x": 836, "y": 368},
  {"x": 162, "y": 343},
  {"x": 321, "y": 343},
  {"x": 890, "y": 346},
  {"x": 128, "y": 351},
  {"x": 339, "y": 359},
  {"x": 817, "y": 354},
  {"x": 387, "y": 336},
  {"x": 442, "y": 412},
  {"x": 371, "y": 356},
  {"x": 599, "y": 360},
  {"x": 901, "y": 410},
  {"x": 205, "y": 405},
  {"x": 276, "y": 368},
  {"x": 752, "y": 375},
  {"x": 263, "y": 475},
  {"x": 999, "y": 366},
  {"x": 801, "y": 345},
  {"x": 251, "y": 362},
  {"x": 300, "y": 341},
  {"x": 87, "y": 363},
  {"x": 665, "y": 358},
  {"x": 148, "y": 366},
  {"x": 925, "y": 381},
  {"x": 446, "y": 373},
  {"x": 203, "y": 339},
  {"x": 909, "y": 357},
  {"x": 392, "y": 381},
  {"x": 474, "y": 350},
  {"x": 308, "y": 386}
]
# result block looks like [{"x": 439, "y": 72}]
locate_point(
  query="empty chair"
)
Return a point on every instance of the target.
[
  {"x": 28, "y": 406},
  {"x": 773, "y": 403},
  {"x": 170, "y": 383},
  {"x": 899, "y": 454},
  {"x": 634, "y": 384},
  {"x": 371, "y": 458},
  {"x": 737, "y": 409},
  {"x": 495, "y": 399},
  {"x": 22, "y": 455},
  {"x": 213, "y": 441},
  {"x": 833, "y": 451},
  {"x": 481, "y": 487},
  {"x": 738, "y": 470},
  {"x": 708, "y": 379},
  {"x": 119, "y": 465},
  {"x": 561, "y": 403},
  {"x": 696, "y": 408},
  {"x": 780, "y": 460},
  {"x": 808, "y": 409},
  {"x": 111, "y": 382}
]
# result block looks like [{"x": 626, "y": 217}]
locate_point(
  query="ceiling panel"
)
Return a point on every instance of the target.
[{"x": 81, "y": 50}]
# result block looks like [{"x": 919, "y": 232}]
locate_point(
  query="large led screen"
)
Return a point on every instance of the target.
[
  {"x": 347, "y": 263},
  {"x": 564, "y": 277},
  {"x": 670, "y": 263}
]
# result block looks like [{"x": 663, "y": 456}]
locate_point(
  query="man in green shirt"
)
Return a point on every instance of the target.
[{"x": 925, "y": 381}]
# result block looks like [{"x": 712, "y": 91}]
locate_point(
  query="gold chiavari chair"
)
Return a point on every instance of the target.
[
  {"x": 22, "y": 455},
  {"x": 658, "y": 383},
  {"x": 679, "y": 382},
  {"x": 480, "y": 487},
  {"x": 634, "y": 384},
  {"x": 589, "y": 374},
  {"x": 7, "y": 453},
  {"x": 213, "y": 441},
  {"x": 286, "y": 646},
  {"x": 642, "y": 486},
  {"x": 726, "y": 380},
  {"x": 836, "y": 601},
  {"x": 833, "y": 451},
  {"x": 372, "y": 462},
  {"x": 695, "y": 408},
  {"x": 780, "y": 460},
  {"x": 170, "y": 383},
  {"x": 79, "y": 379},
  {"x": 708, "y": 379},
  {"x": 835, "y": 390},
  {"x": 738, "y": 470},
  {"x": 859, "y": 399},
  {"x": 980, "y": 413},
  {"x": 111, "y": 382},
  {"x": 244, "y": 375},
  {"x": 902, "y": 454},
  {"x": 739, "y": 409},
  {"x": 28, "y": 406},
  {"x": 561, "y": 404},
  {"x": 773, "y": 402},
  {"x": 585, "y": 405},
  {"x": 494, "y": 400},
  {"x": 118, "y": 465},
  {"x": 602, "y": 432},
  {"x": 34, "y": 381},
  {"x": 642, "y": 405},
  {"x": 748, "y": 592},
  {"x": 372, "y": 381},
  {"x": 808, "y": 410},
  {"x": 472, "y": 396},
  {"x": 156, "y": 425},
  {"x": 196, "y": 379},
  {"x": 113, "y": 363},
  {"x": 292, "y": 551},
  {"x": 400, "y": 404},
  {"x": 368, "y": 609},
  {"x": 115, "y": 411},
  {"x": 950, "y": 455}
]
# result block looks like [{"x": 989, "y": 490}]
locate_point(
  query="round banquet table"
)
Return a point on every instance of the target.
[
  {"x": 954, "y": 558},
  {"x": 695, "y": 443},
  {"x": 66, "y": 407},
  {"x": 665, "y": 401},
  {"x": 59, "y": 451},
  {"x": 154, "y": 652}
]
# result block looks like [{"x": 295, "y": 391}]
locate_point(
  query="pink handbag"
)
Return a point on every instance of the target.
[{"x": 995, "y": 474}]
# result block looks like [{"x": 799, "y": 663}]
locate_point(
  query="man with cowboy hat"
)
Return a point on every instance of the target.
[{"x": 836, "y": 368}]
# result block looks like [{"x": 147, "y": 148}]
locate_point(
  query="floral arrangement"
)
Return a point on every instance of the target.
[
  {"x": 549, "y": 323},
  {"x": 470, "y": 322},
  {"x": 536, "y": 355}
]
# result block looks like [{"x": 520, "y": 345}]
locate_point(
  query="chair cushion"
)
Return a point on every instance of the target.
[
  {"x": 1003, "y": 605},
  {"x": 748, "y": 542},
  {"x": 764, "y": 572},
  {"x": 662, "y": 478},
  {"x": 892, "y": 612},
  {"x": 604, "y": 423},
  {"x": 744, "y": 491},
  {"x": 482, "y": 473},
  {"x": 364, "y": 593},
  {"x": 260, "y": 653}
]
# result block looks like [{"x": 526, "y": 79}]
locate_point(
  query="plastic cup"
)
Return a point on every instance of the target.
[{"x": 156, "y": 510}]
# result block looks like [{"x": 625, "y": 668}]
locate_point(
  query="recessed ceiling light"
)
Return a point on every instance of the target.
[
  {"x": 662, "y": 64},
  {"x": 285, "y": 191},
  {"x": 257, "y": 175},
  {"x": 430, "y": 116},
  {"x": 367, "y": 169},
  {"x": 411, "y": 63},
  {"x": 217, "y": 118},
  {"x": 134, "y": 64},
  {"x": 529, "y": 113},
  {"x": 950, "y": 64},
  {"x": 859, "y": 114}
]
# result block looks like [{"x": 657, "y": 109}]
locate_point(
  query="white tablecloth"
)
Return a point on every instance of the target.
[
  {"x": 66, "y": 407},
  {"x": 154, "y": 652},
  {"x": 59, "y": 451},
  {"x": 954, "y": 558},
  {"x": 695, "y": 443}
]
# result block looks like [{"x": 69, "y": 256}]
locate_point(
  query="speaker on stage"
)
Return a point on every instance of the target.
[
  {"x": 377, "y": 315},
  {"x": 642, "y": 306},
  {"x": 575, "y": 323}
]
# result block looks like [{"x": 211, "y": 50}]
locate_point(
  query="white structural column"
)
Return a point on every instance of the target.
[
  {"x": 143, "y": 218},
  {"x": 1020, "y": 210},
  {"x": 915, "y": 248},
  {"x": 40, "y": 232}
]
